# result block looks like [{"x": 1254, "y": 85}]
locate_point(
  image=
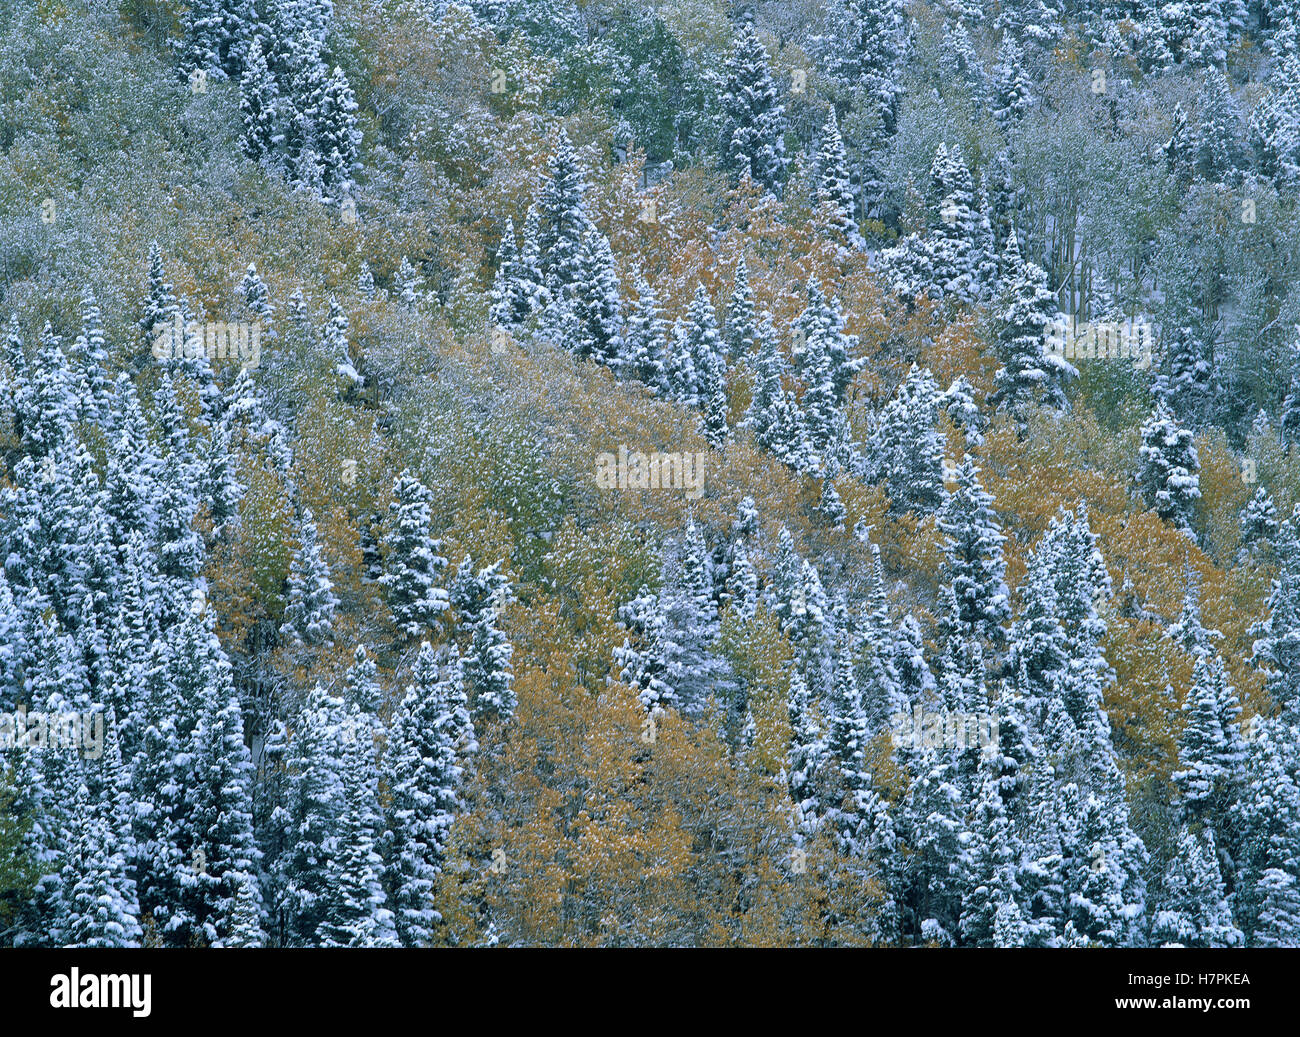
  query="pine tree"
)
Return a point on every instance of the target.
[
  {"x": 1194, "y": 911},
  {"x": 423, "y": 771},
  {"x": 1029, "y": 374},
  {"x": 1259, "y": 526},
  {"x": 309, "y": 612},
  {"x": 562, "y": 219},
  {"x": 1279, "y": 911},
  {"x": 411, "y": 560},
  {"x": 1168, "y": 468},
  {"x": 906, "y": 445},
  {"x": 645, "y": 338},
  {"x": 1202, "y": 743},
  {"x": 644, "y": 667},
  {"x": 259, "y": 99},
  {"x": 160, "y": 306},
  {"x": 515, "y": 288},
  {"x": 89, "y": 364},
  {"x": 256, "y": 296},
  {"x": 478, "y": 598},
  {"x": 772, "y": 414},
  {"x": 1012, "y": 93},
  {"x": 219, "y": 808},
  {"x": 834, "y": 192},
  {"x": 753, "y": 118},
  {"x": 217, "y": 36},
  {"x": 1215, "y": 154},
  {"x": 973, "y": 548},
  {"x": 806, "y": 760},
  {"x": 596, "y": 303},
  {"x": 355, "y": 912},
  {"x": 1276, "y": 649},
  {"x": 337, "y": 136},
  {"x": 742, "y": 332}
]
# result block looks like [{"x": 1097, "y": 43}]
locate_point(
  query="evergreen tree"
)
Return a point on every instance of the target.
[
  {"x": 1194, "y": 911},
  {"x": 423, "y": 770},
  {"x": 309, "y": 612},
  {"x": 975, "y": 565},
  {"x": 259, "y": 99},
  {"x": 753, "y": 118},
  {"x": 742, "y": 332},
  {"x": 1029, "y": 374},
  {"x": 834, "y": 193},
  {"x": 411, "y": 560},
  {"x": 1168, "y": 469},
  {"x": 645, "y": 338}
]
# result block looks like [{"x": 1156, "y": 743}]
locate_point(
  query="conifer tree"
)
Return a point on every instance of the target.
[
  {"x": 412, "y": 564},
  {"x": 1168, "y": 468},
  {"x": 309, "y": 612},
  {"x": 834, "y": 192},
  {"x": 423, "y": 770},
  {"x": 753, "y": 118},
  {"x": 975, "y": 565},
  {"x": 645, "y": 338}
]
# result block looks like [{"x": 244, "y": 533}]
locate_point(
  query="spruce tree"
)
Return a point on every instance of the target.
[
  {"x": 1168, "y": 469},
  {"x": 412, "y": 564},
  {"x": 309, "y": 612},
  {"x": 753, "y": 118}
]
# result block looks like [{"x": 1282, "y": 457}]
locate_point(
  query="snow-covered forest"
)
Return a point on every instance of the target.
[{"x": 592, "y": 473}]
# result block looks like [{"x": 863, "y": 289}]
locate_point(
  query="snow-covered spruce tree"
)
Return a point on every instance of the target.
[
  {"x": 1258, "y": 522},
  {"x": 644, "y": 667},
  {"x": 702, "y": 342},
  {"x": 835, "y": 199},
  {"x": 562, "y": 219},
  {"x": 314, "y": 796},
  {"x": 412, "y": 565},
  {"x": 1274, "y": 129},
  {"x": 753, "y": 117},
  {"x": 1012, "y": 93},
  {"x": 1266, "y": 820},
  {"x": 219, "y": 810},
  {"x": 423, "y": 770},
  {"x": 1276, "y": 649},
  {"x": 1193, "y": 911},
  {"x": 864, "y": 51},
  {"x": 1202, "y": 743},
  {"x": 991, "y": 913},
  {"x": 645, "y": 338},
  {"x": 596, "y": 303},
  {"x": 907, "y": 451},
  {"x": 478, "y": 598},
  {"x": 1029, "y": 374},
  {"x": 1215, "y": 152},
  {"x": 742, "y": 331},
  {"x": 823, "y": 424},
  {"x": 354, "y": 910},
  {"x": 806, "y": 760},
  {"x": 256, "y": 296},
  {"x": 337, "y": 137},
  {"x": 1168, "y": 468},
  {"x": 89, "y": 358},
  {"x": 217, "y": 36},
  {"x": 822, "y": 317},
  {"x": 309, "y": 612},
  {"x": 259, "y": 98},
  {"x": 975, "y": 566},
  {"x": 772, "y": 414},
  {"x": 515, "y": 288},
  {"x": 694, "y": 669}
]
